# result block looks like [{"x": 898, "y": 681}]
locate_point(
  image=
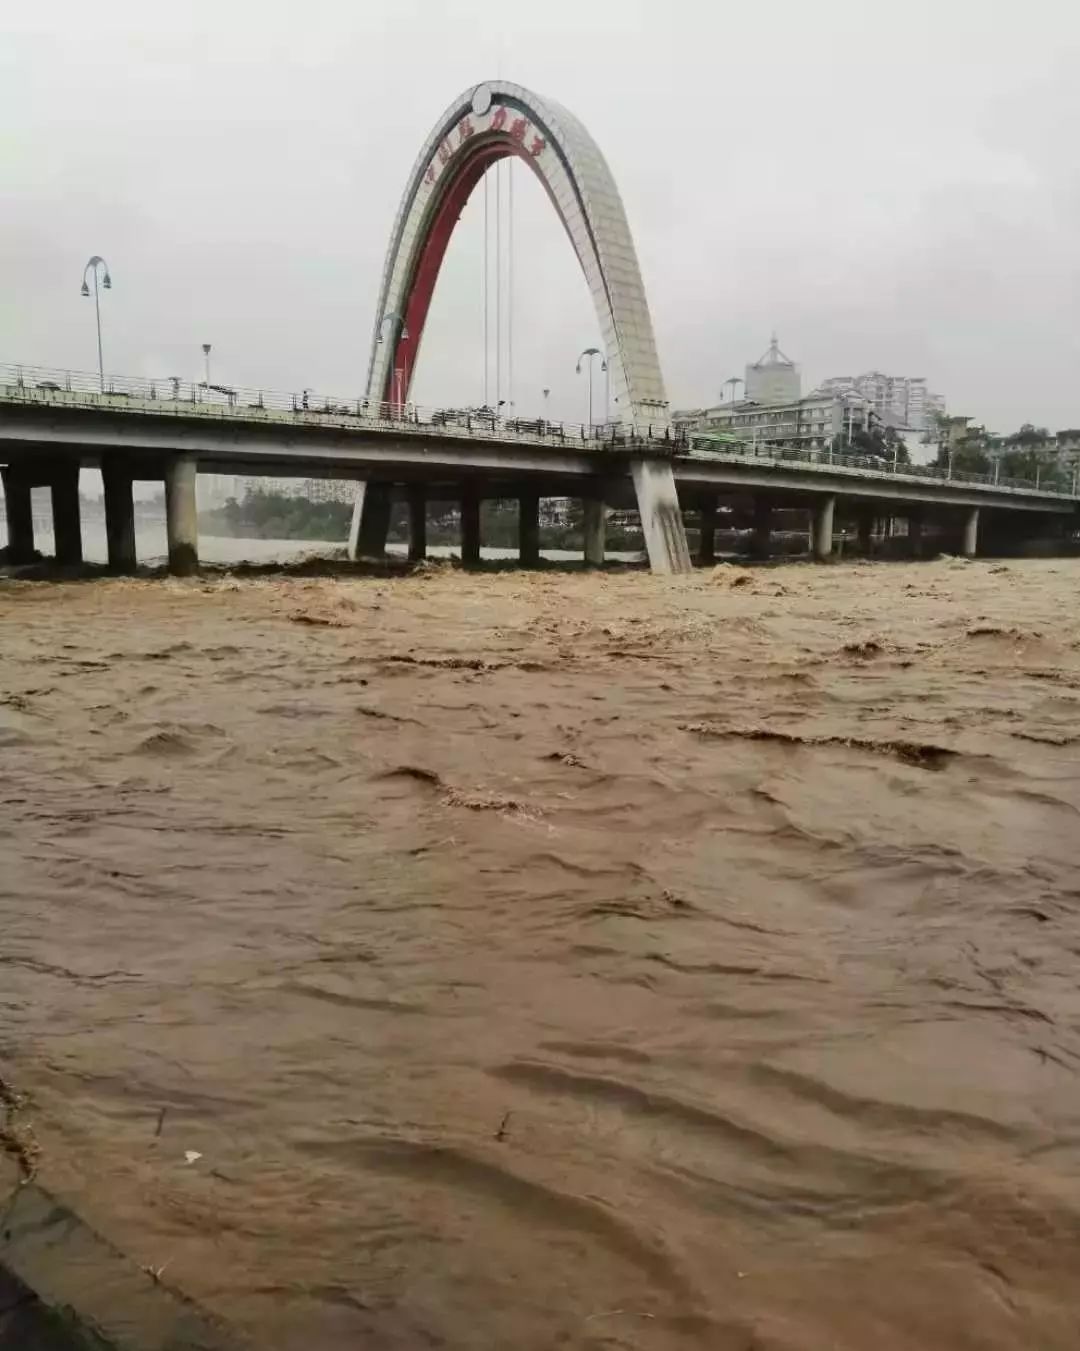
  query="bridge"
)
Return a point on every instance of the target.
[{"x": 53, "y": 423}]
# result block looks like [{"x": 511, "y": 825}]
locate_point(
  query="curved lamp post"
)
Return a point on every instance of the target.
[
  {"x": 592, "y": 353},
  {"x": 392, "y": 316},
  {"x": 100, "y": 269}
]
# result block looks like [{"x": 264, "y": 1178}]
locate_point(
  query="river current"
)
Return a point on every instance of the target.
[{"x": 535, "y": 960}]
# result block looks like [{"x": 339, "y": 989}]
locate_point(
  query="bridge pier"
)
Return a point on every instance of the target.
[
  {"x": 915, "y": 533},
  {"x": 866, "y": 531},
  {"x": 822, "y": 528},
  {"x": 529, "y": 529},
  {"x": 706, "y": 553},
  {"x": 470, "y": 524},
  {"x": 761, "y": 539},
  {"x": 970, "y": 541},
  {"x": 19, "y": 512},
  {"x": 661, "y": 519},
  {"x": 181, "y": 515},
  {"x": 370, "y": 521},
  {"x": 67, "y": 527},
  {"x": 595, "y": 531},
  {"x": 417, "y": 522},
  {"x": 116, "y": 477}
]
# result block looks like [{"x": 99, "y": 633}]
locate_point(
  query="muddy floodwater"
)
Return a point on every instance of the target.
[{"x": 558, "y": 961}]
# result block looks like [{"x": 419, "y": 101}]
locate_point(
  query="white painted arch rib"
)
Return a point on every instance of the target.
[{"x": 582, "y": 189}]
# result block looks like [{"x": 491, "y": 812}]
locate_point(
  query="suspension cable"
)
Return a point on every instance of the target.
[
  {"x": 510, "y": 286},
  {"x": 498, "y": 284},
  {"x": 484, "y": 290}
]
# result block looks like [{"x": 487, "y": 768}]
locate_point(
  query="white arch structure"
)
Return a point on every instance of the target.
[
  {"x": 486, "y": 123},
  {"x": 494, "y": 121}
]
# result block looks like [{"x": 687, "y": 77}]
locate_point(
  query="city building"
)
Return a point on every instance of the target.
[
  {"x": 810, "y": 423},
  {"x": 773, "y": 378},
  {"x": 216, "y": 489},
  {"x": 899, "y": 401}
]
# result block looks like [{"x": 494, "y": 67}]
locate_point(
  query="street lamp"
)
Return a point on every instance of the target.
[
  {"x": 92, "y": 266},
  {"x": 592, "y": 353},
  {"x": 206, "y": 360},
  {"x": 392, "y": 316},
  {"x": 735, "y": 380}
]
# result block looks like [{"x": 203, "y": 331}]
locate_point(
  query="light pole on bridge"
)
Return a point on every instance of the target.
[
  {"x": 592, "y": 353},
  {"x": 94, "y": 265}
]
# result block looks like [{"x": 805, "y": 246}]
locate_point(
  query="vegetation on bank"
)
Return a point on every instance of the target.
[
  {"x": 262, "y": 515},
  {"x": 275, "y": 516}
]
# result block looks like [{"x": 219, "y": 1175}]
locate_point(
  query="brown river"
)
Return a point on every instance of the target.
[{"x": 558, "y": 961}]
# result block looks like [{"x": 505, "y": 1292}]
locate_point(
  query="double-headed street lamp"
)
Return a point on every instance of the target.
[
  {"x": 592, "y": 353},
  {"x": 94, "y": 265}
]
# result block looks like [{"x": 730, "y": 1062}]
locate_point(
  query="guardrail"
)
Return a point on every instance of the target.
[
  {"x": 186, "y": 398},
  {"x": 876, "y": 466}
]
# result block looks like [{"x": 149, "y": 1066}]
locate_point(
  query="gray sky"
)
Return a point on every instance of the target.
[{"x": 889, "y": 185}]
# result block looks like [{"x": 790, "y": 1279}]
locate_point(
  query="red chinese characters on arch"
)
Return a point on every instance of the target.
[{"x": 518, "y": 131}]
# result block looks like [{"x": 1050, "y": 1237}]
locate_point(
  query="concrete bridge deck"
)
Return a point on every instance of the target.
[{"x": 51, "y": 424}]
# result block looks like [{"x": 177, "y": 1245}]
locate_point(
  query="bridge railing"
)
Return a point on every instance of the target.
[
  {"x": 826, "y": 459},
  {"x": 189, "y": 398}
]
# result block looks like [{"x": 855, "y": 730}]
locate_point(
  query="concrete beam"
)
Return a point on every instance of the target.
[
  {"x": 417, "y": 522},
  {"x": 370, "y": 520},
  {"x": 822, "y": 529},
  {"x": 595, "y": 531},
  {"x": 706, "y": 553},
  {"x": 970, "y": 543},
  {"x": 661, "y": 519},
  {"x": 19, "y": 512},
  {"x": 470, "y": 524},
  {"x": 182, "y": 515},
  {"x": 529, "y": 529},
  {"x": 67, "y": 525},
  {"x": 119, "y": 513}
]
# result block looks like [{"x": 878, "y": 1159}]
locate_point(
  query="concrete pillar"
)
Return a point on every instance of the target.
[
  {"x": 761, "y": 539},
  {"x": 529, "y": 529},
  {"x": 417, "y": 522},
  {"x": 470, "y": 524},
  {"x": 182, "y": 515},
  {"x": 67, "y": 527},
  {"x": 707, "y": 543},
  {"x": 866, "y": 531},
  {"x": 915, "y": 533},
  {"x": 370, "y": 521},
  {"x": 119, "y": 513},
  {"x": 595, "y": 531},
  {"x": 661, "y": 519},
  {"x": 20, "y": 516},
  {"x": 822, "y": 532},
  {"x": 970, "y": 543}
]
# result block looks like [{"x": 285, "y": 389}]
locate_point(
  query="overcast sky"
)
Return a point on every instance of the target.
[{"x": 891, "y": 186}]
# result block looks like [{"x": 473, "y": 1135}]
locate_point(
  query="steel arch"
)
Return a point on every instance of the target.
[{"x": 488, "y": 122}]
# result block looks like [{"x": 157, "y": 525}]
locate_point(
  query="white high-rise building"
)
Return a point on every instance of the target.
[{"x": 900, "y": 401}]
